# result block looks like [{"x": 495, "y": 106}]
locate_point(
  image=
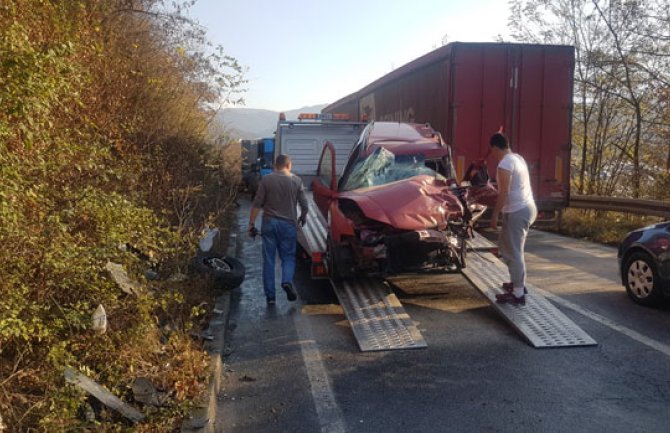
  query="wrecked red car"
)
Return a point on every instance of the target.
[{"x": 397, "y": 206}]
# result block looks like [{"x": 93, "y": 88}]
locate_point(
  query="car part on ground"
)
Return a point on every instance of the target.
[{"x": 227, "y": 272}]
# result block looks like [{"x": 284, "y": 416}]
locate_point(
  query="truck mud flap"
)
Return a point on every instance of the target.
[
  {"x": 378, "y": 319},
  {"x": 539, "y": 321}
]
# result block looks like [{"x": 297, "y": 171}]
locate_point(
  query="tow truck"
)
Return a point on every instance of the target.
[
  {"x": 378, "y": 319},
  {"x": 303, "y": 140}
]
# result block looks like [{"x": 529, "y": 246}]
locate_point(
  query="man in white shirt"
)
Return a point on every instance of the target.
[{"x": 515, "y": 201}]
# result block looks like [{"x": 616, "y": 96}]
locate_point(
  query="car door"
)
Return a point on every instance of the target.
[{"x": 324, "y": 185}]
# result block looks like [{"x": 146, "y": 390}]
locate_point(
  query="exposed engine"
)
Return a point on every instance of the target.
[{"x": 380, "y": 248}]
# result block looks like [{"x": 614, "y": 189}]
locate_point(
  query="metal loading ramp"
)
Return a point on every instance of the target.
[
  {"x": 377, "y": 317},
  {"x": 312, "y": 236},
  {"x": 539, "y": 321}
]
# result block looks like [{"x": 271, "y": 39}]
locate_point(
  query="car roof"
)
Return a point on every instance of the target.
[{"x": 405, "y": 138}]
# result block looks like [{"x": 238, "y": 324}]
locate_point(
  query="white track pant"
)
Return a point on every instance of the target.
[{"x": 512, "y": 242}]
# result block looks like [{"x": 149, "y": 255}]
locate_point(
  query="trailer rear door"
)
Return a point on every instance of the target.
[{"x": 526, "y": 90}]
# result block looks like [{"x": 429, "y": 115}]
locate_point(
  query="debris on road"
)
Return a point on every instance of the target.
[
  {"x": 227, "y": 272},
  {"x": 207, "y": 240},
  {"x": 122, "y": 279},
  {"x": 103, "y": 395},
  {"x": 100, "y": 320},
  {"x": 197, "y": 421},
  {"x": 146, "y": 393}
]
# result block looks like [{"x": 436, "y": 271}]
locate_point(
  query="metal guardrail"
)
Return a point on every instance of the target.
[{"x": 619, "y": 204}]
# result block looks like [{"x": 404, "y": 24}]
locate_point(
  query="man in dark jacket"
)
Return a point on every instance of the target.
[{"x": 278, "y": 196}]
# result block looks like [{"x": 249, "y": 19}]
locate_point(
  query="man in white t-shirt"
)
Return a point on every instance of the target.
[{"x": 515, "y": 201}]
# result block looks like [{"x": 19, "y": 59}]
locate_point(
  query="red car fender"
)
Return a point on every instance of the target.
[{"x": 340, "y": 225}]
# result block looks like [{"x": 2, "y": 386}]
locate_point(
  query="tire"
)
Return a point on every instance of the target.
[
  {"x": 337, "y": 259},
  {"x": 227, "y": 272},
  {"x": 331, "y": 262},
  {"x": 641, "y": 280}
]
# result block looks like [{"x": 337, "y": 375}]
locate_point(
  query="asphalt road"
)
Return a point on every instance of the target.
[{"x": 297, "y": 368}]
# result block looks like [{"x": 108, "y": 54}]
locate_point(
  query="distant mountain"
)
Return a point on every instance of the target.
[{"x": 248, "y": 123}]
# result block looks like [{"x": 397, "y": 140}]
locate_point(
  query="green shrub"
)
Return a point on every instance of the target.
[
  {"x": 600, "y": 226},
  {"x": 103, "y": 144}
]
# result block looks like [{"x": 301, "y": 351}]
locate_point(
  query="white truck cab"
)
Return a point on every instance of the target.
[{"x": 303, "y": 140}]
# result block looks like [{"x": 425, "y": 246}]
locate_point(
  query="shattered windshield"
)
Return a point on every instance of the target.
[{"x": 384, "y": 167}]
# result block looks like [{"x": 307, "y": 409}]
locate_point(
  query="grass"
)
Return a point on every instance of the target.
[{"x": 600, "y": 226}]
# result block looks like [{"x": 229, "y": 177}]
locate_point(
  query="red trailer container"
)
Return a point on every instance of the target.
[{"x": 467, "y": 91}]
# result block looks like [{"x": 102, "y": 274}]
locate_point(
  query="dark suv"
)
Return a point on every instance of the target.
[{"x": 644, "y": 263}]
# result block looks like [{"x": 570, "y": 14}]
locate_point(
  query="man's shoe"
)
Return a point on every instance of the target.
[
  {"x": 290, "y": 291},
  {"x": 271, "y": 301},
  {"x": 509, "y": 287},
  {"x": 509, "y": 298}
]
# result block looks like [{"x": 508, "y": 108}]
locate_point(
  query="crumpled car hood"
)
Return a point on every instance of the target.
[{"x": 416, "y": 203}]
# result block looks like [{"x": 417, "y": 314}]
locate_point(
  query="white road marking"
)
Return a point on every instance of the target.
[
  {"x": 656, "y": 345},
  {"x": 585, "y": 248},
  {"x": 330, "y": 415}
]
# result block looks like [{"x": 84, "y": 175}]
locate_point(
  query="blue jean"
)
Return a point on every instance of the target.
[{"x": 278, "y": 236}]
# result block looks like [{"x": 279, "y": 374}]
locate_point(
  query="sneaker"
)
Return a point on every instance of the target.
[
  {"x": 509, "y": 298},
  {"x": 509, "y": 288},
  {"x": 290, "y": 291},
  {"x": 270, "y": 301}
]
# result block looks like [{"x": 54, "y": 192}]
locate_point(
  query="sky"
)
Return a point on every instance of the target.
[{"x": 302, "y": 53}]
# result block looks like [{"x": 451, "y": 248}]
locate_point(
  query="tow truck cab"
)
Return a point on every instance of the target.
[{"x": 303, "y": 139}]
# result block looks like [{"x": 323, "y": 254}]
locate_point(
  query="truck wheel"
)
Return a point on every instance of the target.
[
  {"x": 339, "y": 261},
  {"x": 227, "y": 272},
  {"x": 641, "y": 280}
]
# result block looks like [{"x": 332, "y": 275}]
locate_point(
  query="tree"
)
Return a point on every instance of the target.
[
  {"x": 621, "y": 75},
  {"x": 104, "y": 112}
]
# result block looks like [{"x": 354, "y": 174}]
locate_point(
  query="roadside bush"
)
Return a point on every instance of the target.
[
  {"x": 104, "y": 156},
  {"x": 599, "y": 226}
]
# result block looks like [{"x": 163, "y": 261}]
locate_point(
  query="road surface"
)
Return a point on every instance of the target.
[{"x": 297, "y": 367}]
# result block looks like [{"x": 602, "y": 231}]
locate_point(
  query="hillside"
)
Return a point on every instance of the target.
[
  {"x": 250, "y": 123},
  {"x": 108, "y": 178}
]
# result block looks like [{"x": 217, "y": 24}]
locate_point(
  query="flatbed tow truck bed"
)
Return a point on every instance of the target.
[{"x": 379, "y": 321}]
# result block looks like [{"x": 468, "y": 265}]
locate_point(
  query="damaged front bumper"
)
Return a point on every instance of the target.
[{"x": 409, "y": 251}]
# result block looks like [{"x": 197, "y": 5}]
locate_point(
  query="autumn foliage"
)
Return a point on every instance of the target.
[{"x": 105, "y": 141}]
